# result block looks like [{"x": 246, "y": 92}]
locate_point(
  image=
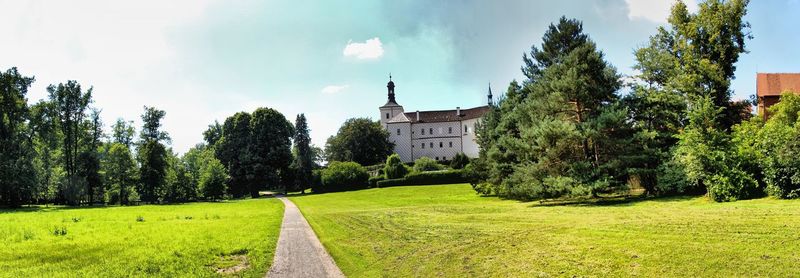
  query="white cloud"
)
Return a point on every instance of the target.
[
  {"x": 371, "y": 49},
  {"x": 654, "y": 10},
  {"x": 334, "y": 89}
]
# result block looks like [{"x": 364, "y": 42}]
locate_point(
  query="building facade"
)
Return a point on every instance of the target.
[
  {"x": 770, "y": 86},
  {"x": 439, "y": 135}
]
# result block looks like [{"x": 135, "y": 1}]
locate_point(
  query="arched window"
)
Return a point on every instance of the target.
[
  {"x": 387, "y": 115},
  {"x": 440, "y": 144},
  {"x": 466, "y": 129}
]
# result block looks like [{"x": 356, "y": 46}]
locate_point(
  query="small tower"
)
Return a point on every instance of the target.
[
  {"x": 490, "y": 94},
  {"x": 391, "y": 108}
]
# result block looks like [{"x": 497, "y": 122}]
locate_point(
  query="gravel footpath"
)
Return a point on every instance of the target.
[{"x": 299, "y": 252}]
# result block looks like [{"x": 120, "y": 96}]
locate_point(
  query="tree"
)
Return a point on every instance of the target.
[
  {"x": 424, "y": 164},
  {"x": 123, "y": 132},
  {"x": 394, "y": 168},
  {"x": 120, "y": 169},
  {"x": 563, "y": 132},
  {"x": 213, "y": 133},
  {"x": 341, "y": 176},
  {"x": 304, "y": 156},
  {"x": 46, "y": 142},
  {"x": 70, "y": 104},
  {"x": 213, "y": 179},
  {"x": 270, "y": 149},
  {"x": 233, "y": 151},
  {"x": 88, "y": 159},
  {"x": 360, "y": 140},
  {"x": 152, "y": 155},
  {"x": 17, "y": 174}
]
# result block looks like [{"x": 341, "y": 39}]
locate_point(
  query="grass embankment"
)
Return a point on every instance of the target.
[
  {"x": 447, "y": 230},
  {"x": 192, "y": 240}
]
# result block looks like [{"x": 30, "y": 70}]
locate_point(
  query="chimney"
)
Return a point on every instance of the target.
[
  {"x": 417, "y": 115},
  {"x": 458, "y": 111}
]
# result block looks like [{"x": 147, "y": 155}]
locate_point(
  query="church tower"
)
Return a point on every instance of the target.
[{"x": 391, "y": 108}]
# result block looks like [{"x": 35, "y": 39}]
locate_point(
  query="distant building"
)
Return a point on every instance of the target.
[
  {"x": 770, "y": 86},
  {"x": 439, "y": 135}
]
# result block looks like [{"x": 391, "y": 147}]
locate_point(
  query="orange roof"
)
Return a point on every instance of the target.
[{"x": 774, "y": 84}]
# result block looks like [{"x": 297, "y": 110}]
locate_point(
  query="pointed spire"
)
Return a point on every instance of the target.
[
  {"x": 490, "y": 93},
  {"x": 390, "y": 86}
]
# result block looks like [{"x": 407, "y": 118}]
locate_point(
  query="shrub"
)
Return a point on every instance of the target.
[
  {"x": 343, "y": 176},
  {"x": 732, "y": 185},
  {"x": 373, "y": 181},
  {"x": 213, "y": 180},
  {"x": 424, "y": 164},
  {"x": 426, "y": 178},
  {"x": 394, "y": 167},
  {"x": 459, "y": 161}
]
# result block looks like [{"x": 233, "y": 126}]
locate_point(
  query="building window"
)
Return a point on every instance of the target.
[
  {"x": 423, "y": 145},
  {"x": 466, "y": 129},
  {"x": 440, "y": 144},
  {"x": 430, "y": 131},
  {"x": 387, "y": 115},
  {"x": 437, "y": 158},
  {"x": 431, "y": 145},
  {"x": 450, "y": 130},
  {"x": 451, "y": 144},
  {"x": 422, "y": 131},
  {"x": 398, "y": 131}
]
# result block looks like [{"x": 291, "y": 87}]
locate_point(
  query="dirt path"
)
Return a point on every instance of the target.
[{"x": 299, "y": 253}]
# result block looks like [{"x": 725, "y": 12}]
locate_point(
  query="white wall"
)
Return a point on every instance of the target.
[
  {"x": 471, "y": 147},
  {"x": 402, "y": 142}
]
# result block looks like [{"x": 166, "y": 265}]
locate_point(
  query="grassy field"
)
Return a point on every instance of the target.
[
  {"x": 192, "y": 240},
  {"x": 448, "y": 231}
]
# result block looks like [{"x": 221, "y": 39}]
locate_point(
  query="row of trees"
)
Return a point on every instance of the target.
[
  {"x": 56, "y": 151},
  {"x": 567, "y": 131}
]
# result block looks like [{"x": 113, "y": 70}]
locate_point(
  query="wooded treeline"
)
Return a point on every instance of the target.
[
  {"x": 56, "y": 151},
  {"x": 567, "y": 131}
]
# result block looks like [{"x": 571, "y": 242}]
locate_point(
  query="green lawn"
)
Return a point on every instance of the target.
[
  {"x": 447, "y": 230},
  {"x": 189, "y": 240}
]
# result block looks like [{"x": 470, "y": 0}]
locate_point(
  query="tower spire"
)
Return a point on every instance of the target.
[
  {"x": 490, "y": 94},
  {"x": 390, "y": 86}
]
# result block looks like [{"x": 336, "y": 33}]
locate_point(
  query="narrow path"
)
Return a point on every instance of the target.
[{"x": 299, "y": 252}]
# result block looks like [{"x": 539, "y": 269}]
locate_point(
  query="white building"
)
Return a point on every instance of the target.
[{"x": 439, "y": 135}]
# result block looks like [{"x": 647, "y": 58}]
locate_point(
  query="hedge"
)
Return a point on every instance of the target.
[
  {"x": 373, "y": 181},
  {"x": 427, "y": 178}
]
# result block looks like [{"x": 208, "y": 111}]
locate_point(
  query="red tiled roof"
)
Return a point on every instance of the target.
[
  {"x": 447, "y": 115},
  {"x": 774, "y": 84}
]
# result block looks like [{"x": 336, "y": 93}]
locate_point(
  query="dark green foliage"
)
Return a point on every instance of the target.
[
  {"x": 303, "y": 154},
  {"x": 341, "y": 176},
  {"x": 270, "y": 149},
  {"x": 373, "y": 181},
  {"x": 427, "y": 178},
  {"x": 233, "y": 151},
  {"x": 360, "y": 140},
  {"x": 459, "y": 161},
  {"x": 17, "y": 172},
  {"x": 152, "y": 156},
  {"x": 394, "y": 167},
  {"x": 564, "y": 131},
  {"x": 123, "y": 132},
  {"x": 120, "y": 172},
  {"x": 213, "y": 178},
  {"x": 256, "y": 150},
  {"x": 424, "y": 164},
  {"x": 69, "y": 105},
  {"x": 213, "y": 134},
  {"x": 779, "y": 148}
]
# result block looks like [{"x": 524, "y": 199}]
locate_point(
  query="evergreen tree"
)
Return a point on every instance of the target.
[{"x": 304, "y": 156}]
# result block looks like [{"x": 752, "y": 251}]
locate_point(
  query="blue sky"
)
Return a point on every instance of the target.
[{"x": 205, "y": 60}]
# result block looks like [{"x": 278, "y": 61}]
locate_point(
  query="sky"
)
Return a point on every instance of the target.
[{"x": 203, "y": 60}]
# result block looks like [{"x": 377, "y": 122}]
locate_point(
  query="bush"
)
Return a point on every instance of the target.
[
  {"x": 373, "y": 181},
  {"x": 732, "y": 185},
  {"x": 425, "y": 164},
  {"x": 341, "y": 176},
  {"x": 459, "y": 161},
  {"x": 395, "y": 168},
  {"x": 427, "y": 178}
]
